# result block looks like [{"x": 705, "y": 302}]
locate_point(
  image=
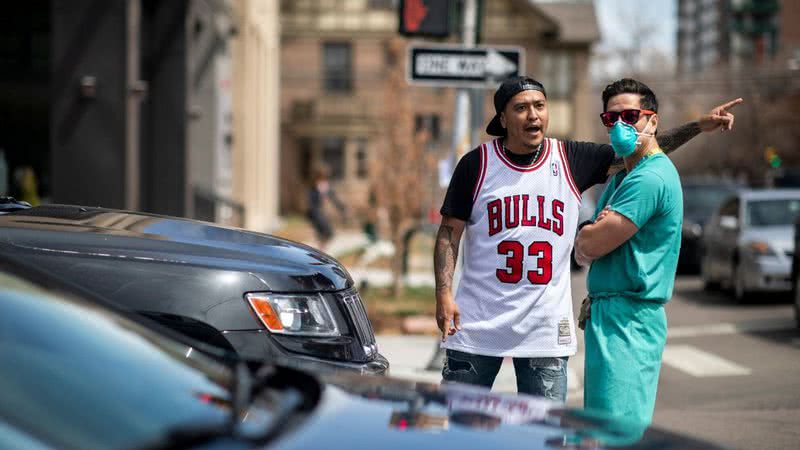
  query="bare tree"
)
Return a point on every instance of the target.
[
  {"x": 632, "y": 51},
  {"x": 401, "y": 168}
]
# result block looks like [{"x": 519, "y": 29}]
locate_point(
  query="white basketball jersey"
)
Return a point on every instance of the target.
[{"x": 515, "y": 295}]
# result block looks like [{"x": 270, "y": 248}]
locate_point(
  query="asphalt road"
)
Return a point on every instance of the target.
[{"x": 730, "y": 372}]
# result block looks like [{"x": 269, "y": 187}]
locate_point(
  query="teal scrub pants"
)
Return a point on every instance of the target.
[{"x": 624, "y": 340}]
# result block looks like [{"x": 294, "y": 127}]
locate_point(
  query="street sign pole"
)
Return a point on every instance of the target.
[
  {"x": 461, "y": 125},
  {"x": 461, "y": 122}
]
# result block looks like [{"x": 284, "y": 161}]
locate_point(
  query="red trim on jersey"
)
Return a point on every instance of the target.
[
  {"x": 530, "y": 168},
  {"x": 564, "y": 162},
  {"x": 484, "y": 163}
]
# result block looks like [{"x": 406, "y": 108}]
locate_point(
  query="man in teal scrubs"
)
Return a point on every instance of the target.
[{"x": 633, "y": 248}]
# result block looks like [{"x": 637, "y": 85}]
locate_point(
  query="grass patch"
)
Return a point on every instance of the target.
[{"x": 387, "y": 313}]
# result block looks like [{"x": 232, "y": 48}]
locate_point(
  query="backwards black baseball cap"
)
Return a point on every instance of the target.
[{"x": 504, "y": 93}]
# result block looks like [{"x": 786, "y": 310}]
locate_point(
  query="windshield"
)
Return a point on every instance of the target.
[
  {"x": 769, "y": 213},
  {"x": 699, "y": 202},
  {"x": 79, "y": 376}
]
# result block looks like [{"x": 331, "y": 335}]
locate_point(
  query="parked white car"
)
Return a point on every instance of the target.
[{"x": 748, "y": 244}]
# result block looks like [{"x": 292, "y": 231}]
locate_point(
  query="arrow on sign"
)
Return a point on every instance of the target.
[{"x": 497, "y": 65}]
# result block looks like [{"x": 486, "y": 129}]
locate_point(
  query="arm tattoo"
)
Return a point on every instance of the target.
[
  {"x": 444, "y": 257},
  {"x": 674, "y": 138}
]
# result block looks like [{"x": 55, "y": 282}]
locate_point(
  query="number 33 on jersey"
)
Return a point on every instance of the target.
[{"x": 515, "y": 293}]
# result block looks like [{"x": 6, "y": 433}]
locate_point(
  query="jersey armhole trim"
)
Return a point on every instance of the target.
[
  {"x": 482, "y": 175},
  {"x": 567, "y": 171}
]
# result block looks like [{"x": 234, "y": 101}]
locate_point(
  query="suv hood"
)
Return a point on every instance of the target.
[{"x": 104, "y": 233}]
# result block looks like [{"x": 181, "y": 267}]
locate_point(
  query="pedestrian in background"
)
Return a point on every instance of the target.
[
  {"x": 319, "y": 194},
  {"x": 633, "y": 248},
  {"x": 516, "y": 200}
]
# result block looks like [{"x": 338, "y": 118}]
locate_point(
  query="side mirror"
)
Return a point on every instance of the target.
[{"x": 729, "y": 222}]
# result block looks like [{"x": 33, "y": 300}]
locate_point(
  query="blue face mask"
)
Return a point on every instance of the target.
[{"x": 625, "y": 138}]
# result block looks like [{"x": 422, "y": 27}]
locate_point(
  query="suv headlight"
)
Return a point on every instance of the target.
[{"x": 294, "y": 314}]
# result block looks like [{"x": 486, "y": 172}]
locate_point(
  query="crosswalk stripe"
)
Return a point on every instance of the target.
[
  {"x": 698, "y": 363},
  {"x": 720, "y": 329}
]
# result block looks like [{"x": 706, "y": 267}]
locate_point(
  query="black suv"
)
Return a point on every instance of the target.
[{"x": 262, "y": 297}]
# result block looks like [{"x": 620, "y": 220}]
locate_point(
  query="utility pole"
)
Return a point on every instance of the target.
[
  {"x": 461, "y": 118},
  {"x": 462, "y": 129}
]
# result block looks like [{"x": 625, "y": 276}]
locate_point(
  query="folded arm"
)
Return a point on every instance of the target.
[{"x": 600, "y": 238}]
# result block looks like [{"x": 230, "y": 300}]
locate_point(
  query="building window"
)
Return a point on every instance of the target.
[
  {"x": 556, "y": 73},
  {"x": 362, "y": 159},
  {"x": 337, "y": 63},
  {"x": 429, "y": 123},
  {"x": 333, "y": 156}
]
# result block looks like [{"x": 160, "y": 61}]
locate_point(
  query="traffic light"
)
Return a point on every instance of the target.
[
  {"x": 772, "y": 157},
  {"x": 424, "y": 17}
]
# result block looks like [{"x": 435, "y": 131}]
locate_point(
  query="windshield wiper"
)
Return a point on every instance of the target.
[
  {"x": 294, "y": 391},
  {"x": 196, "y": 434}
]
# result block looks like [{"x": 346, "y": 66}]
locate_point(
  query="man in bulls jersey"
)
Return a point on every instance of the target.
[
  {"x": 634, "y": 244},
  {"x": 515, "y": 200}
]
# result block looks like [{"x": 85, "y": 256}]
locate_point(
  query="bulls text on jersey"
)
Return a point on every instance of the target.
[{"x": 525, "y": 210}]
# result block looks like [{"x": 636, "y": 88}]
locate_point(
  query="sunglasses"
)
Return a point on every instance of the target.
[{"x": 629, "y": 116}]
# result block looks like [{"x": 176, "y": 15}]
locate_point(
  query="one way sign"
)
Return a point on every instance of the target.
[{"x": 452, "y": 66}]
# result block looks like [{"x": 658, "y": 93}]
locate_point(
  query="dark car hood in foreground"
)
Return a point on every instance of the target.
[
  {"x": 381, "y": 412},
  {"x": 278, "y": 264}
]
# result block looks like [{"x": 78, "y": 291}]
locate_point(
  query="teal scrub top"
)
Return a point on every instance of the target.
[{"x": 644, "y": 266}]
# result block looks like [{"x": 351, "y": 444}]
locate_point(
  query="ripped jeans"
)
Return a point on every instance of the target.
[{"x": 544, "y": 377}]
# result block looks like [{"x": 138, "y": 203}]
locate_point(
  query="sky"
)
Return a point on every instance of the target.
[{"x": 618, "y": 18}]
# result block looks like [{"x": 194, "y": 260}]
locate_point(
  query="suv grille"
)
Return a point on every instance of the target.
[{"x": 363, "y": 328}]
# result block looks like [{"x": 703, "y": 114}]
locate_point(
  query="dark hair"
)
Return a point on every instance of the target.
[{"x": 631, "y": 86}]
